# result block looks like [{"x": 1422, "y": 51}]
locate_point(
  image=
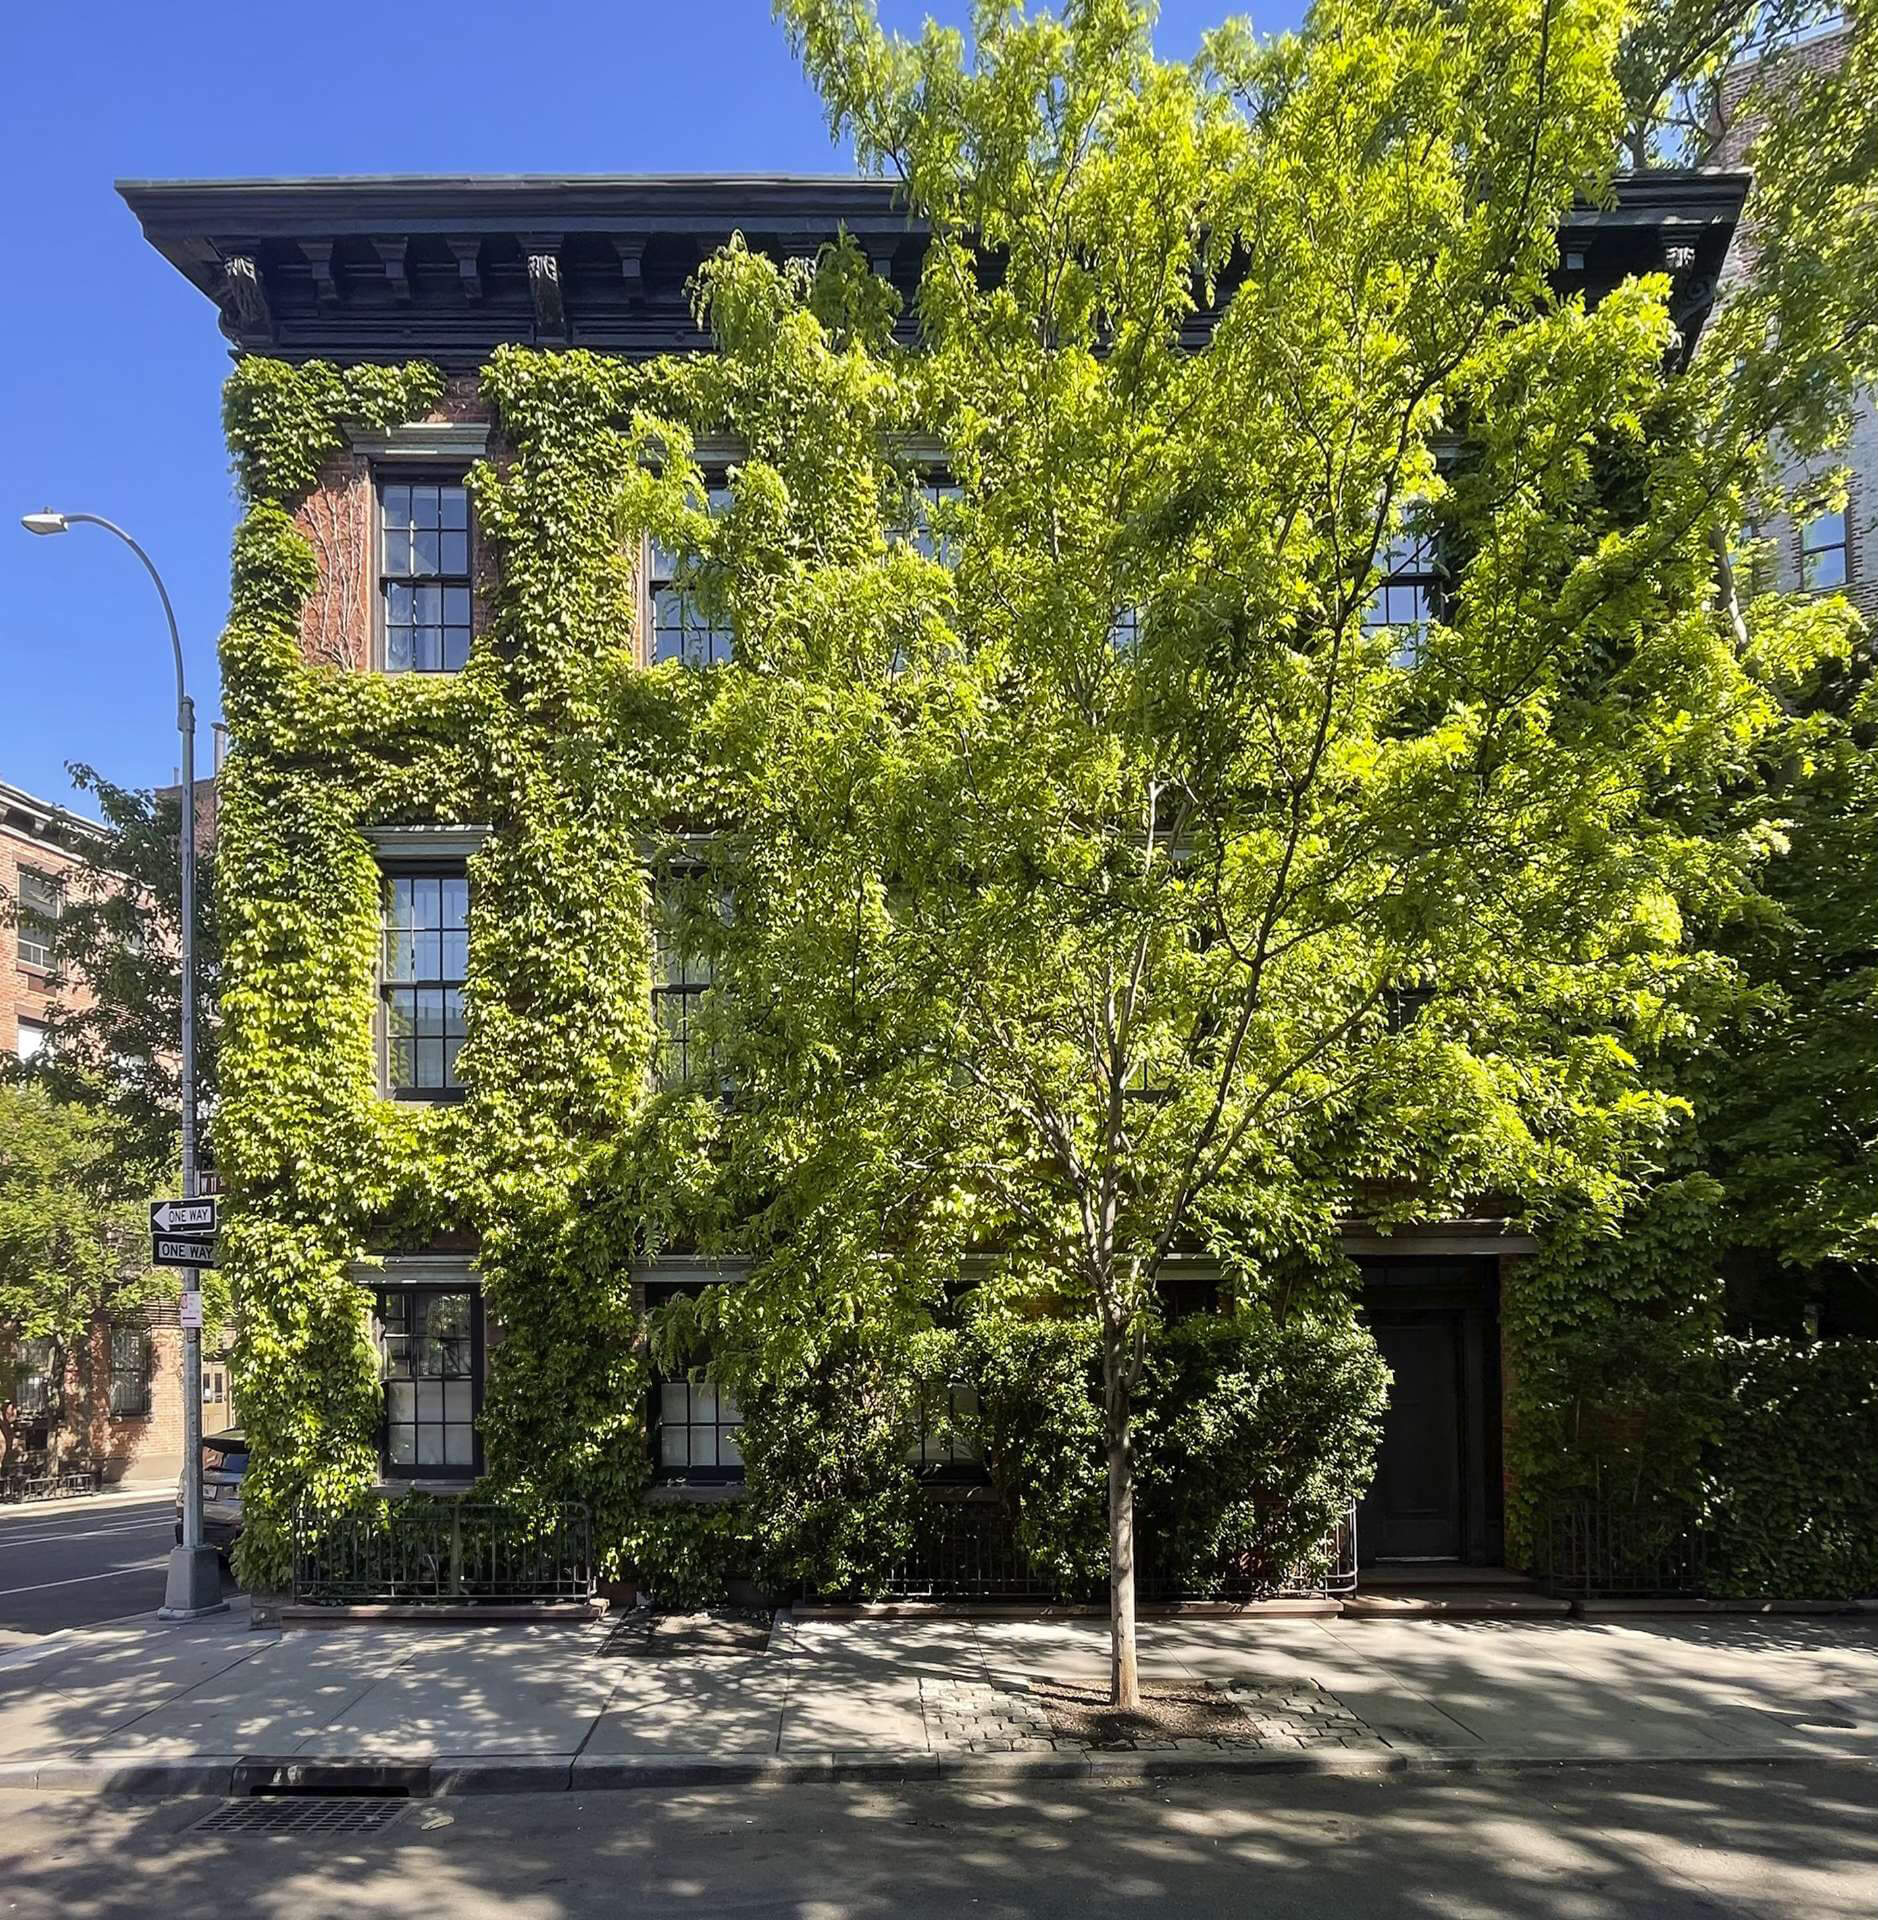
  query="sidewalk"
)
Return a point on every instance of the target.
[{"x": 213, "y": 1706}]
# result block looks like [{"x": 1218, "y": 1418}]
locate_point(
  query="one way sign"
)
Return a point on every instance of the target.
[
  {"x": 182, "y": 1216},
  {"x": 181, "y": 1253}
]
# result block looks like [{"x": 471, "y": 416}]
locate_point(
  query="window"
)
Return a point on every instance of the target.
[
  {"x": 946, "y": 1429},
  {"x": 1406, "y": 599},
  {"x": 699, "y": 1431},
  {"x": 681, "y": 629},
  {"x": 38, "y": 918},
  {"x": 925, "y": 501},
  {"x": 130, "y": 1370},
  {"x": 696, "y": 1425},
  {"x": 1823, "y": 552},
  {"x": 426, "y": 960},
  {"x": 214, "y": 1386},
  {"x": 1125, "y": 633},
  {"x": 33, "y": 1383},
  {"x": 429, "y": 1344},
  {"x": 424, "y": 575},
  {"x": 681, "y": 977},
  {"x": 31, "y": 1040}
]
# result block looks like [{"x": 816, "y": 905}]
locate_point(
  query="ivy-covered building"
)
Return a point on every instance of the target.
[{"x": 444, "y": 998}]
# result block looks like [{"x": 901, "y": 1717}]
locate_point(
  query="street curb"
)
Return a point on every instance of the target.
[{"x": 447, "y": 1776}]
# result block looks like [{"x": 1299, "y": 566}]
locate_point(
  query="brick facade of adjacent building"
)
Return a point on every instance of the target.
[{"x": 78, "y": 1424}]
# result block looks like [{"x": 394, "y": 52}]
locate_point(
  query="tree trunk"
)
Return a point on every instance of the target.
[{"x": 1117, "y": 1398}]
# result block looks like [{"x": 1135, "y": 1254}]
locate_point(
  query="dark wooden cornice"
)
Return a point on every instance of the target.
[{"x": 384, "y": 267}]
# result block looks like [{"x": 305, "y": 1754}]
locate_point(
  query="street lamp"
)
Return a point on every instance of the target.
[{"x": 194, "y": 1584}]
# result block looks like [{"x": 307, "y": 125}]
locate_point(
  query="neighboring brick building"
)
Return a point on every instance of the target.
[
  {"x": 117, "y": 1402},
  {"x": 35, "y": 857}
]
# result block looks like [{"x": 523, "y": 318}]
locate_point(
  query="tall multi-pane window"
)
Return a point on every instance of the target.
[
  {"x": 424, "y": 574},
  {"x": 130, "y": 1370},
  {"x": 426, "y": 960},
  {"x": 924, "y": 509},
  {"x": 682, "y": 976},
  {"x": 34, "y": 1362},
  {"x": 1405, "y": 599},
  {"x": 1823, "y": 551},
  {"x": 428, "y": 1362},
  {"x": 700, "y": 1430},
  {"x": 948, "y": 1429},
  {"x": 682, "y": 629},
  {"x": 39, "y": 902}
]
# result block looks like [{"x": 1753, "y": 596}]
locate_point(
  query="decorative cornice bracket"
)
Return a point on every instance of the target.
[
  {"x": 392, "y": 252},
  {"x": 468, "y": 250},
  {"x": 319, "y": 256}
]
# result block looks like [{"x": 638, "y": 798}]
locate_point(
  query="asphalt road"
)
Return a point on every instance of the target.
[
  {"x": 1615, "y": 1842},
  {"x": 67, "y": 1565}
]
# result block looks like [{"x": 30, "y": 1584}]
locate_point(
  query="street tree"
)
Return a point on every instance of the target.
[
  {"x": 1115, "y": 866},
  {"x": 70, "y": 1242},
  {"x": 113, "y": 1044}
]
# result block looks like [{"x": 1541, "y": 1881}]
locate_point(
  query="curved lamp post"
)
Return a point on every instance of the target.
[{"x": 194, "y": 1585}]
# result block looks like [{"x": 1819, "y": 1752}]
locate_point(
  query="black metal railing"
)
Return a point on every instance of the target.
[
  {"x": 967, "y": 1549},
  {"x": 1598, "y": 1548},
  {"x": 444, "y": 1552},
  {"x": 35, "y": 1478}
]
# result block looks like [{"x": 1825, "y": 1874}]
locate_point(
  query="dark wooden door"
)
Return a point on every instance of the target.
[{"x": 1414, "y": 1507}]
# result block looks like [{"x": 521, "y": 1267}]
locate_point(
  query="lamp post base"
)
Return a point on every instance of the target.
[{"x": 193, "y": 1586}]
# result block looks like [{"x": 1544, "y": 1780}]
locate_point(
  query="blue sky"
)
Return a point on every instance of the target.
[{"x": 110, "y": 363}]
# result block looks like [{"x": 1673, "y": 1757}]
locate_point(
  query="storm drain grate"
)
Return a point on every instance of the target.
[{"x": 312, "y": 1814}]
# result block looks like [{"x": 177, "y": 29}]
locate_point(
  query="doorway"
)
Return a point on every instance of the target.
[{"x": 1436, "y": 1494}]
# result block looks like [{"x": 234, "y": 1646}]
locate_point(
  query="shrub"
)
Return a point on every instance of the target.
[{"x": 1792, "y": 1475}]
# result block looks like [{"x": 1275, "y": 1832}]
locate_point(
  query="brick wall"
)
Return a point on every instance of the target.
[
  {"x": 27, "y": 992},
  {"x": 338, "y": 628}
]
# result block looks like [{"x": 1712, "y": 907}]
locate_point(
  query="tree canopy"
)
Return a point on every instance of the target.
[{"x": 1108, "y": 872}]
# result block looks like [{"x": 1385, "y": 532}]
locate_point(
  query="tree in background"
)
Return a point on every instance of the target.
[
  {"x": 71, "y": 1244},
  {"x": 119, "y": 938},
  {"x": 1114, "y": 874}
]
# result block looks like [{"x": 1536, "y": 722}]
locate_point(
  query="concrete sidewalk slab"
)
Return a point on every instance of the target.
[
  {"x": 146, "y": 1708},
  {"x": 657, "y": 1710}
]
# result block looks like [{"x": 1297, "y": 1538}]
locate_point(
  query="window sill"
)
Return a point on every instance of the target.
[
  {"x": 452, "y": 1486},
  {"x": 694, "y": 1493}
]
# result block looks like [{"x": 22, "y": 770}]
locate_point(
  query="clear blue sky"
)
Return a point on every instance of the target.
[{"x": 110, "y": 363}]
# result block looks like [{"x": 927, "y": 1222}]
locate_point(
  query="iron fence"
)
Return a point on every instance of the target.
[
  {"x": 36, "y": 1479},
  {"x": 451, "y": 1552},
  {"x": 1598, "y": 1548},
  {"x": 966, "y": 1548}
]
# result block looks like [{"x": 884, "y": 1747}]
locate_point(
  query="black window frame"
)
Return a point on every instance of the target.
[
  {"x": 390, "y": 986},
  {"x": 383, "y": 1332},
  {"x": 1811, "y": 550},
  {"x": 717, "y": 1473},
  {"x": 684, "y": 990},
  {"x": 444, "y": 580},
  {"x": 665, "y": 570},
  {"x": 1411, "y": 560},
  {"x": 132, "y": 1364},
  {"x": 47, "y": 1375},
  {"x": 38, "y": 924},
  {"x": 943, "y": 1457}
]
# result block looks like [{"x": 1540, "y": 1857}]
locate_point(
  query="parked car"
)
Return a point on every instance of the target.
[{"x": 224, "y": 1462}]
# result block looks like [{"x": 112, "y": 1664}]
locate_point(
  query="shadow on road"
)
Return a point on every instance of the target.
[{"x": 1591, "y": 1844}]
